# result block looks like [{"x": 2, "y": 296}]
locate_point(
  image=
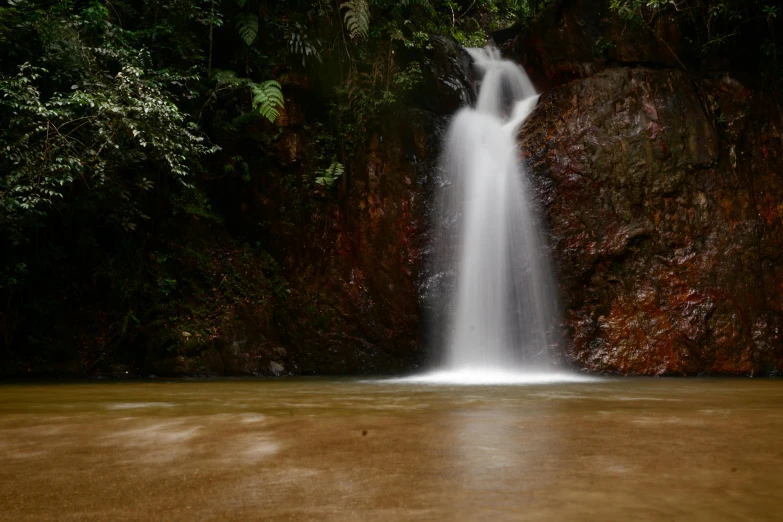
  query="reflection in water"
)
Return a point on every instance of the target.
[
  {"x": 347, "y": 450},
  {"x": 502, "y": 445}
]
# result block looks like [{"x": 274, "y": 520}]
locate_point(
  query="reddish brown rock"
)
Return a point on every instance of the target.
[
  {"x": 663, "y": 197},
  {"x": 357, "y": 274}
]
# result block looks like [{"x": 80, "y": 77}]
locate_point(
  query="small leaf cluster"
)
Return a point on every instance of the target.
[{"x": 328, "y": 176}]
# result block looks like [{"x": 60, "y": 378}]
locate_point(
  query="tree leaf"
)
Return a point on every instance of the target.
[{"x": 247, "y": 27}]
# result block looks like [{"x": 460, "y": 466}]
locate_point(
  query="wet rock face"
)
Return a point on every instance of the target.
[
  {"x": 664, "y": 199},
  {"x": 354, "y": 301},
  {"x": 446, "y": 87}
]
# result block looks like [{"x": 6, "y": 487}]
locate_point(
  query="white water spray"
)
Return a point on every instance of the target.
[{"x": 491, "y": 269}]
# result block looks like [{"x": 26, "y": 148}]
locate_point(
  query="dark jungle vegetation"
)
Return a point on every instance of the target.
[
  {"x": 750, "y": 29},
  {"x": 123, "y": 123}
]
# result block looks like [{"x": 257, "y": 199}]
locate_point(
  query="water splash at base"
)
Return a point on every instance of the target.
[{"x": 492, "y": 377}]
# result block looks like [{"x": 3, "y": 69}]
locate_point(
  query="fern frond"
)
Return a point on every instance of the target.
[
  {"x": 357, "y": 18},
  {"x": 241, "y": 3},
  {"x": 330, "y": 174},
  {"x": 268, "y": 99},
  {"x": 300, "y": 44},
  {"x": 247, "y": 27}
]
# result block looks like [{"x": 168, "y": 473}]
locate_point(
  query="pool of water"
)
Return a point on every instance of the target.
[{"x": 326, "y": 449}]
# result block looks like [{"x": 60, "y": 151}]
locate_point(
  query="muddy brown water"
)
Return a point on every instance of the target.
[{"x": 318, "y": 449}]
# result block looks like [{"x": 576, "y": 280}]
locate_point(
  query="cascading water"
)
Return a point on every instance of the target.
[{"x": 491, "y": 271}]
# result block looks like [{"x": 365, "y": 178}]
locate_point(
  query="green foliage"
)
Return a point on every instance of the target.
[
  {"x": 369, "y": 94},
  {"x": 630, "y": 10},
  {"x": 88, "y": 134},
  {"x": 328, "y": 176},
  {"x": 104, "y": 117},
  {"x": 407, "y": 79},
  {"x": 357, "y": 18},
  {"x": 267, "y": 99},
  {"x": 300, "y": 45},
  {"x": 603, "y": 46},
  {"x": 227, "y": 79},
  {"x": 193, "y": 202},
  {"x": 167, "y": 286},
  {"x": 247, "y": 27},
  {"x": 267, "y": 96}
]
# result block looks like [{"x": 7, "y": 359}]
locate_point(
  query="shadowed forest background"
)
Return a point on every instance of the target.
[{"x": 242, "y": 187}]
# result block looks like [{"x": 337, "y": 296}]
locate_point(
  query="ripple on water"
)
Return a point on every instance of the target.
[
  {"x": 154, "y": 442},
  {"x": 135, "y": 405}
]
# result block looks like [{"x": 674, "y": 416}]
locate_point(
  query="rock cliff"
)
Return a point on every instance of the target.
[{"x": 663, "y": 190}]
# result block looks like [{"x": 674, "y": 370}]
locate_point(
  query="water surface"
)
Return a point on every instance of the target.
[{"x": 316, "y": 449}]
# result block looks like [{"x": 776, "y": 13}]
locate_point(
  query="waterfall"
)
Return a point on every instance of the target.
[{"x": 491, "y": 274}]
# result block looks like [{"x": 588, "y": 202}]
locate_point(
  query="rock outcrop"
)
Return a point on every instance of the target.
[{"x": 664, "y": 194}]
